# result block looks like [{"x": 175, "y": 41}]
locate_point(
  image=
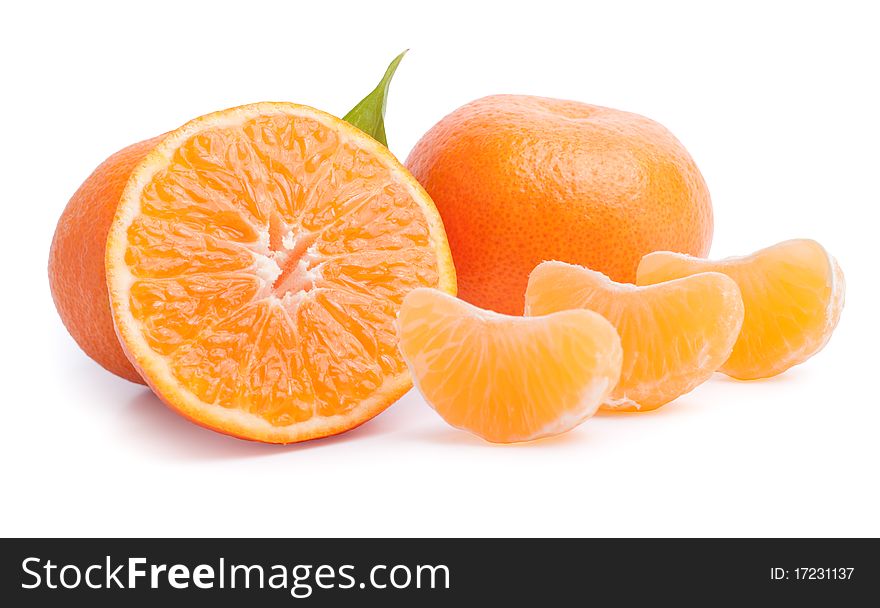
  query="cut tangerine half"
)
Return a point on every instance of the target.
[
  {"x": 793, "y": 294},
  {"x": 674, "y": 334},
  {"x": 505, "y": 378},
  {"x": 256, "y": 264}
]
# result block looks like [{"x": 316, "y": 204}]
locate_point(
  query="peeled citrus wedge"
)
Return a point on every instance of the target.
[
  {"x": 674, "y": 335},
  {"x": 504, "y": 378},
  {"x": 256, "y": 264},
  {"x": 793, "y": 294}
]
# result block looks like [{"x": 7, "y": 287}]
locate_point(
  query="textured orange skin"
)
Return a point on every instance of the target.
[
  {"x": 519, "y": 180},
  {"x": 76, "y": 260}
]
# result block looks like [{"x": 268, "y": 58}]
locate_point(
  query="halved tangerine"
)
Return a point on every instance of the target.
[
  {"x": 674, "y": 334},
  {"x": 793, "y": 294},
  {"x": 507, "y": 378},
  {"x": 256, "y": 264}
]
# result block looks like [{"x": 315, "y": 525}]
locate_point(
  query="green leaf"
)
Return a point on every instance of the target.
[{"x": 369, "y": 114}]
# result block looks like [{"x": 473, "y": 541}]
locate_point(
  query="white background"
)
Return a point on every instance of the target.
[{"x": 777, "y": 102}]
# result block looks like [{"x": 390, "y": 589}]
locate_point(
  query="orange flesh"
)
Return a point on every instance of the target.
[
  {"x": 793, "y": 294},
  {"x": 268, "y": 258},
  {"x": 507, "y": 378},
  {"x": 674, "y": 335}
]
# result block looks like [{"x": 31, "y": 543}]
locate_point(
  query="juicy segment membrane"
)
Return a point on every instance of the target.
[
  {"x": 506, "y": 378},
  {"x": 793, "y": 294},
  {"x": 267, "y": 255},
  {"x": 674, "y": 335}
]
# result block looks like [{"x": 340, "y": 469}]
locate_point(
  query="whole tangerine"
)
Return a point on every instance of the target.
[{"x": 519, "y": 180}]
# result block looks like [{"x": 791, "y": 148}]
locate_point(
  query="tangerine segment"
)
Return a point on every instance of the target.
[
  {"x": 674, "y": 334},
  {"x": 505, "y": 378},
  {"x": 793, "y": 294},
  {"x": 256, "y": 264}
]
